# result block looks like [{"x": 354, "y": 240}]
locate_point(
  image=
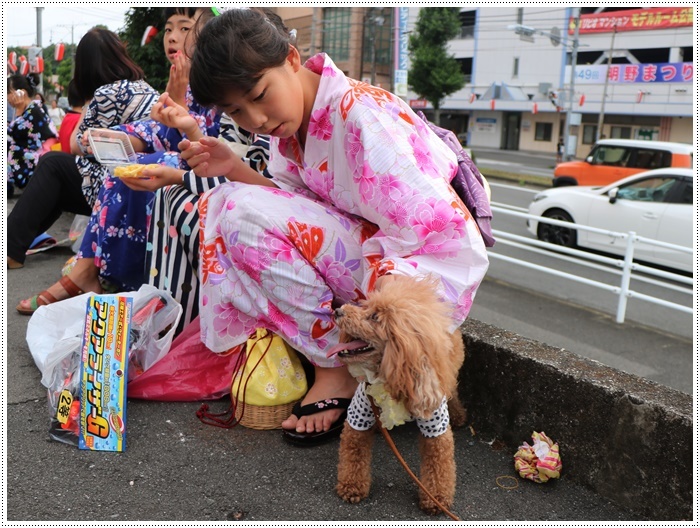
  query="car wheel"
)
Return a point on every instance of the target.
[
  {"x": 558, "y": 235},
  {"x": 564, "y": 181}
]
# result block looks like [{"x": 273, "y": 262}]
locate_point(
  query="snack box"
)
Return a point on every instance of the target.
[{"x": 103, "y": 373}]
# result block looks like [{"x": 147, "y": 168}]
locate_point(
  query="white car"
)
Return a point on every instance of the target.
[{"x": 656, "y": 204}]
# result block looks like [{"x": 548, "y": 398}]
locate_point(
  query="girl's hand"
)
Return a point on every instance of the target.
[
  {"x": 172, "y": 115},
  {"x": 155, "y": 178},
  {"x": 208, "y": 157},
  {"x": 179, "y": 78}
]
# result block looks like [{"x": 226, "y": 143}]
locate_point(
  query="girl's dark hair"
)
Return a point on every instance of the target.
[
  {"x": 28, "y": 83},
  {"x": 189, "y": 12},
  {"x": 74, "y": 98},
  {"x": 233, "y": 50},
  {"x": 101, "y": 58}
]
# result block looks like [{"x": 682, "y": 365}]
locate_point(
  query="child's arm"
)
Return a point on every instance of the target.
[
  {"x": 210, "y": 157},
  {"x": 172, "y": 115},
  {"x": 155, "y": 178}
]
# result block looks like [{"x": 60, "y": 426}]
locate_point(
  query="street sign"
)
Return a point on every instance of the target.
[{"x": 401, "y": 83}]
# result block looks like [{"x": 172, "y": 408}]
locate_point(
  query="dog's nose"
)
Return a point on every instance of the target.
[{"x": 338, "y": 312}]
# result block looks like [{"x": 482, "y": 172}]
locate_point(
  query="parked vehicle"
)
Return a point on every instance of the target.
[
  {"x": 613, "y": 159},
  {"x": 656, "y": 204}
]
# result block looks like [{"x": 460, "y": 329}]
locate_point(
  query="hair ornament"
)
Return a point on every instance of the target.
[{"x": 217, "y": 10}]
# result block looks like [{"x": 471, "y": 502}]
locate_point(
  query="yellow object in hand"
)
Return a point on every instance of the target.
[{"x": 133, "y": 171}]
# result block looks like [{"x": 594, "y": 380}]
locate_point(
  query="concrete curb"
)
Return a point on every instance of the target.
[{"x": 627, "y": 438}]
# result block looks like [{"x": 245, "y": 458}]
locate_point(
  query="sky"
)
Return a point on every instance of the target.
[{"x": 58, "y": 21}]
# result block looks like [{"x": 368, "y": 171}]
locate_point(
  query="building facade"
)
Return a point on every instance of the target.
[
  {"x": 517, "y": 65},
  {"x": 358, "y": 39}
]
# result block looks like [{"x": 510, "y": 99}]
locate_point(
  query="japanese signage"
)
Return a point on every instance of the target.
[
  {"x": 635, "y": 20},
  {"x": 401, "y": 52},
  {"x": 664, "y": 72}
]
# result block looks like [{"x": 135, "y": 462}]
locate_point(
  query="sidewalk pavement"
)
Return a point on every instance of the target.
[
  {"x": 518, "y": 165},
  {"x": 177, "y": 469}
]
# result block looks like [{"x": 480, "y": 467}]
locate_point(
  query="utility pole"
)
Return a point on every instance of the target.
[
  {"x": 576, "y": 15},
  {"x": 312, "y": 47},
  {"x": 38, "y": 43},
  {"x": 601, "y": 117}
]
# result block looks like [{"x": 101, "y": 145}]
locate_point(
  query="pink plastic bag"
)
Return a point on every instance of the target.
[{"x": 188, "y": 372}]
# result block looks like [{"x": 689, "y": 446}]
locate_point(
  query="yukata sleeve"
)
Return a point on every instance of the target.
[
  {"x": 398, "y": 175},
  {"x": 117, "y": 103},
  {"x": 149, "y": 131},
  {"x": 44, "y": 127},
  {"x": 198, "y": 186}
]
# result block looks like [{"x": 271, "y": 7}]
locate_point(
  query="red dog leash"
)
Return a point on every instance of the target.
[{"x": 393, "y": 447}]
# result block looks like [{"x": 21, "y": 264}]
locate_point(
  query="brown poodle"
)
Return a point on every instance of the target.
[{"x": 399, "y": 337}]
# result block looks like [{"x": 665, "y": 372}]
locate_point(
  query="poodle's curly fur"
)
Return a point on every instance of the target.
[{"x": 411, "y": 349}]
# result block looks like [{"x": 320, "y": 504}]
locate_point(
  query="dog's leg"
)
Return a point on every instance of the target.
[
  {"x": 458, "y": 414},
  {"x": 354, "y": 463},
  {"x": 438, "y": 472}
]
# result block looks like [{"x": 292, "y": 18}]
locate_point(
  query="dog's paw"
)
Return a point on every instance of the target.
[
  {"x": 352, "y": 492},
  {"x": 429, "y": 507}
]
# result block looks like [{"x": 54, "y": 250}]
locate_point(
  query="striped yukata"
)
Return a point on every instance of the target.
[{"x": 172, "y": 260}]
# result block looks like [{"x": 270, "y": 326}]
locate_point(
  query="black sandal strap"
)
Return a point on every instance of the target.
[{"x": 300, "y": 410}]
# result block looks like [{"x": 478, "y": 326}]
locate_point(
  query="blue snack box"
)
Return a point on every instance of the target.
[{"x": 103, "y": 373}]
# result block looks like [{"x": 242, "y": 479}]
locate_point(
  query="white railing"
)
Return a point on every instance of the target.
[{"x": 623, "y": 267}]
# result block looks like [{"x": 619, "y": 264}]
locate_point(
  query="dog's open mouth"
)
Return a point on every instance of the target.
[{"x": 352, "y": 348}]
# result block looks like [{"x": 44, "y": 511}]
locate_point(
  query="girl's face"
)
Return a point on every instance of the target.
[
  {"x": 275, "y": 105},
  {"x": 175, "y": 37}
]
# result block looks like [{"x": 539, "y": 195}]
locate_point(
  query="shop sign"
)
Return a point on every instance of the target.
[
  {"x": 634, "y": 20},
  {"x": 664, "y": 72}
]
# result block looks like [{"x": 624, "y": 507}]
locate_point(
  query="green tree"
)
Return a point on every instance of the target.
[
  {"x": 434, "y": 74},
  {"x": 150, "y": 57}
]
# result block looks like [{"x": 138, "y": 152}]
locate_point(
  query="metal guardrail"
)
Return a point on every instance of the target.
[{"x": 623, "y": 267}]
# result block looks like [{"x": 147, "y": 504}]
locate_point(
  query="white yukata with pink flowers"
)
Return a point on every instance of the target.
[{"x": 368, "y": 195}]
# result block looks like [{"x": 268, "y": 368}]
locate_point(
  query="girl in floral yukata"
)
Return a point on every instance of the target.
[{"x": 360, "y": 191}]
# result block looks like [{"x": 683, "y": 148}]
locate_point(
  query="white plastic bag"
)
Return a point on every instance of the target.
[
  {"x": 55, "y": 339},
  {"x": 56, "y": 330}
]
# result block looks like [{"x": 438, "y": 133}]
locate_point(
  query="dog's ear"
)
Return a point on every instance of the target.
[{"x": 414, "y": 369}]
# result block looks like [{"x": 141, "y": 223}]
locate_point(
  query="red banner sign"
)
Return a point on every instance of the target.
[
  {"x": 635, "y": 20},
  {"x": 418, "y": 103}
]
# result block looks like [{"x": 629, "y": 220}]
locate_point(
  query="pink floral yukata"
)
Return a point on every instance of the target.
[{"x": 368, "y": 196}]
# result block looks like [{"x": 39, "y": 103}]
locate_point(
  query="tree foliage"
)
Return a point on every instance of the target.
[
  {"x": 434, "y": 73},
  {"x": 150, "y": 57}
]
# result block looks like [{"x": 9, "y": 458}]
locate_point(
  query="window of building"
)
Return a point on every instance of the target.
[
  {"x": 543, "y": 131},
  {"x": 377, "y": 35},
  {"x": 336, "y": 32},
  {"x": 620, "y": 132},
  {"x": 468, "y": 20},
  {"x": 589, "y": 134},
  {"x": 466, "y": 64},
  {"x": 516, "y": 66}
]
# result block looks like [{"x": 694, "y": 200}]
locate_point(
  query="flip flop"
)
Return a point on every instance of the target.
[
  {"x": 45, "y": 297},
  {"x": 42, "y": 241},
  {"x": 313, "y": 439}
]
